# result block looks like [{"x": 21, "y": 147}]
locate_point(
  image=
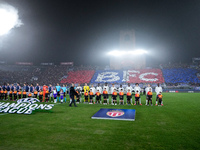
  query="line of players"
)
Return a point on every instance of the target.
[
  {"x": 59, "y": 93},
  {"x": 94, "y": 94},
  {"x": 43, "y": 93}
]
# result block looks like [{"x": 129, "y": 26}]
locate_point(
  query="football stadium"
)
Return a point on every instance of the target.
[{"x": 73, "y": 75}]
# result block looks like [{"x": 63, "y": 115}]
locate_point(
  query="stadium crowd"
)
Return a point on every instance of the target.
[{"x": 174, "y": 75}]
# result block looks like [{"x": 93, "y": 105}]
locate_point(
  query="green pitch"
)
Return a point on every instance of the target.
[{"x": 176, "y": 125}]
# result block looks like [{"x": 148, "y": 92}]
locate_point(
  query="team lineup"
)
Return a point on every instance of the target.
[{"x": 92, "y": 95}]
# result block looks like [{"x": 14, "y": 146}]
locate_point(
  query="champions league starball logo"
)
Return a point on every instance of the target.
[
  {"x": 28, "y": 100},
  {"x": 115, "y": 113},
  {"x": 23, "y": 106}
]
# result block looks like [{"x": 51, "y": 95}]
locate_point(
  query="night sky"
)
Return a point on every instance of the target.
[{"x": 84, "y": 31}]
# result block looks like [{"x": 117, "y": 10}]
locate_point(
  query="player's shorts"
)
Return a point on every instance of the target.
[
  {"x": 98, "y": 98},
  {"x": 58, "y": 93},
  {"x": 55, "y": 95},
  {"x": 105, "y": 96},
  {"x": 137, "y": 98},
  {"x": 91, "y": 96},
  {"x": 61, "y": 97},
  {"x": 64, "y": 94},
  {"x": 121, "y": 97},
  {"x": 86, "y": 97},
  {"x": 160, "y": 100},
  {"x": 115, "y": 98},
  {"x": 149, "y": 98},
  {"x": 128, "y": 99}
]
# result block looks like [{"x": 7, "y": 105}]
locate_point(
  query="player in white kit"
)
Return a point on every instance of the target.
[
  {"x": 147, "y": 89},
  {"x": 137, "y": 88},
  {"x": 92, "y": 89},
  {"x": 158, "y": 89},
  {"x": 99, "y": 88},
  {"x": 79, "y": 89},
  {"x": 121, "y": 88},
  {"x": 112, "y": 88},
  {"x": 107, "y": 89},
  {"x": 129, "y": 88}
]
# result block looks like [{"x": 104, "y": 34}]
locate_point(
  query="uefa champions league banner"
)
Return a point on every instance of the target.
[
  {"x": 23, "y": 106},
  {"x": 108, "y": 76},
  {"x": 143, "y": 76}
]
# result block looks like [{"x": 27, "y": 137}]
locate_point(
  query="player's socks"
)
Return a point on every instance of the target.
[
  {"x": 65, "y": 99},
  {"x": 146, "y": 102}
]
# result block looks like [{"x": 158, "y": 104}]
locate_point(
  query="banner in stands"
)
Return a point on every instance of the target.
[
  {"x": 67, "y": 63},
  {"x": 180, "y": 75},
  {"x": 130, "y": 76},
  {"x": 143, "y": 76},
  {"x": 24, "y": 63},
  {"x": 79, "y": 76},
  {"x": 109, "y": 76},
  {"x": 63, "y": 79},
  {"x": 47, "y": 64}
]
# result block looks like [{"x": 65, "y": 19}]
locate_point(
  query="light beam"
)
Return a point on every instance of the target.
[
  {"x": 121, "y": 52},
  {"x": 8, "y": 18}
]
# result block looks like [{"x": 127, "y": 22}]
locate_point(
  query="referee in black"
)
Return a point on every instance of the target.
[{"x": 72, "y": 94}]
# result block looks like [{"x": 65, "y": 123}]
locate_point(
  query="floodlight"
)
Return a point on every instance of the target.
[
  {"x": 8, "y": 19},
  {"x": 121, "y": 53}
]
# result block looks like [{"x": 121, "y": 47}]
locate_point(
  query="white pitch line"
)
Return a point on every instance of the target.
[{"x": 4, "y": 114}]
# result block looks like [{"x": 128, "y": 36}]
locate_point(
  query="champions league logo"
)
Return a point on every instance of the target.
[
  {"x": 115, "y": 113},
  {"x": 28, "y": 100},
  {"x": 23, "y": 106}
]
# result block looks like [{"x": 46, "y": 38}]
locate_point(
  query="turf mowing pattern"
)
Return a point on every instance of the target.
[{"x": 176, "y": 125}]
